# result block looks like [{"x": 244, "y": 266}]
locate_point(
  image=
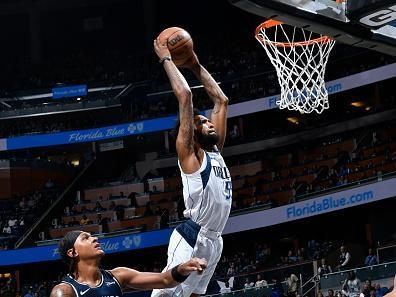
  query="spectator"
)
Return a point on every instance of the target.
[
  {"x": 300, "y": 255},
  {"x": 29, "y": 293},
  {"x": 330, "y": 293},
  {"x": 248, "y": 284},
  {"x": 366, "y": 290},
  {"x": 43, "y": 289},
  {"x": 260, "y": 282},
  {"x": 103, "y": 222},
  {"x": 231, "y": 269},
  {"x": 351, "y": 286},
  {"x": 368, "y": 283},
  {"x": 66, "y": 211},
  {"x": 112, "y": 205},
  {"x": 262, "y": 253},
  {"x": 84, "y": 220},
  {"x": 74, "y": 210},
  {"x": 98, "y": 207},
  {"x": 324, "y": 268},
  {"x": 344, "y": 259},
  {"x": 277, "y": 288},
  {"x": 12, "y": 222},
  {"x": 226, "y": 289},
  {"x": 49, "y": 184},
  {"x": 234, "y": 132},
  {"x": 249, "y": 267},
  {"x": 371, "y": 258},
  {"x": 292, "y": 283},
  {"x": 290, "y": 259},
  {"x": 6, "y": 229},
  {"x": 380, "y": 291},
  {"x": 373, "y": 293}
]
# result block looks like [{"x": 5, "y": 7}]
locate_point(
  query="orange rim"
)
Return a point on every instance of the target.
[{"x": 273, "y": 23}]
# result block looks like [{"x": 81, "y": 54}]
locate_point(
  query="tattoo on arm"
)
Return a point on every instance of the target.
[
  {"x": 186, "y": 129},
  {"x": 182, "y": 92},
  {"x": 212, "y": 88}
]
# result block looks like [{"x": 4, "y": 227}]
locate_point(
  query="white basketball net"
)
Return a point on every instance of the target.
[{"x": 300, "y": 66}]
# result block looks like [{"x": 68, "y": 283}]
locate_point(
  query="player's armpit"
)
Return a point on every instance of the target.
[{"x": 62, "y": 290}]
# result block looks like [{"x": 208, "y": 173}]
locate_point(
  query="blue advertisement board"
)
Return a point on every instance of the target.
[
  {"x": 110, "y": 245},
  {"x": 90, "y": 135},
  {"x": 167, "y": 123},
  {"x": 337, "y": 201},
  {"x": 69, "y": 91},
  {"x": 319, "y": 205}
]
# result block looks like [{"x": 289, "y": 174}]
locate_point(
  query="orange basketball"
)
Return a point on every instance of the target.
[{"x": 179, "y": 43}]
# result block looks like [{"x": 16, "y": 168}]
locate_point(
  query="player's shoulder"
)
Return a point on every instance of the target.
[{"x": 63, "y": 290}]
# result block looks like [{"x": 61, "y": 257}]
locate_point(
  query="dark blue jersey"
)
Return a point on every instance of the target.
[{"x": 108, "y": 287}]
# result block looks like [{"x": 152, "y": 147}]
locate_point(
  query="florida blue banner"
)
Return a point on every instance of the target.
[
  {"x": 167, "y": 123},
  {"x": 109, "y": 245},
  {"x": 323, "y": 204},
  {"x": 69, "y": 91},
  {"x": 89, "y": 135}
]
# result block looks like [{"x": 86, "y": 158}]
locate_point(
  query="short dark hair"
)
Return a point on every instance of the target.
[{"x": 175, "y": 130}]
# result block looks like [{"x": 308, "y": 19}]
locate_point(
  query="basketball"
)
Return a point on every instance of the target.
[{"x": 179, "y": 43}]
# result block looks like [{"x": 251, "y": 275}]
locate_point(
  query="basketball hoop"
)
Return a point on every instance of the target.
[{"x": 300, "y": 65}]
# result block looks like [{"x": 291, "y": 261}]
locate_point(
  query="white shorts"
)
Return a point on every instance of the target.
[{"x": 189, "y": 240}]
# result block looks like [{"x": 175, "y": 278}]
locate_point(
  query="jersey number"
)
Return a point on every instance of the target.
[{"x": 228, "y": 189}]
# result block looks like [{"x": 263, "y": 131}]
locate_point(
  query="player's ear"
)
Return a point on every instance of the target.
[{"x": 72, "y": 253}]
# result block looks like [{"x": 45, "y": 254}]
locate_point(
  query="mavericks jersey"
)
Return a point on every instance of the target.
[
  {"x": 108, "y": 287},
  {"x": 207, "y": 193}
]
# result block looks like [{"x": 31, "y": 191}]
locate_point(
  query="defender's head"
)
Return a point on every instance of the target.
[{"x": 78, "y": 245}]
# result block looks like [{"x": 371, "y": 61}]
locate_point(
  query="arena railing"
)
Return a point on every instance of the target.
[
  {"x": 302, "y": 270},
  {"x": 386, "y": 253},
  {"x": 24, "y": 238},
  {"x": 374, "y": 273}
]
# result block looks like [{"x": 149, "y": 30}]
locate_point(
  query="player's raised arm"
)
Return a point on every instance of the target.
[
  {"x": 149, "y": 280},
  {"x": 181, "y": 89},
  {"x": 216, "y": 94}
]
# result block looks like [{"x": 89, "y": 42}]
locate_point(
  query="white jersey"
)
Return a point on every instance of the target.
[{"x": 208, "y": 193}]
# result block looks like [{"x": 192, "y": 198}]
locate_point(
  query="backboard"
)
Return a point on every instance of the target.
[{"x": 363, "y": 23}]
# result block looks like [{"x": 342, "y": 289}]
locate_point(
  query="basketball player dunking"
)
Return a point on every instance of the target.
[
  {"x": 207, "y": 188},
  {"x": 82, "y": 254}
]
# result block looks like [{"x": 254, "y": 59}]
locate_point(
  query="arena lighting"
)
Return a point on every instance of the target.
[
  {"x": 5, "y": 275},
  {"x": 79, "y": 98},
  {"x": 75, "y": 162},
  {"x": 293, "y": 120},
  {"x": 358, "y": 104}
]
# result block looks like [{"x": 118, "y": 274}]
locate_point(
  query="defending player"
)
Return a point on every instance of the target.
[{"x": 82, "y": 253}]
